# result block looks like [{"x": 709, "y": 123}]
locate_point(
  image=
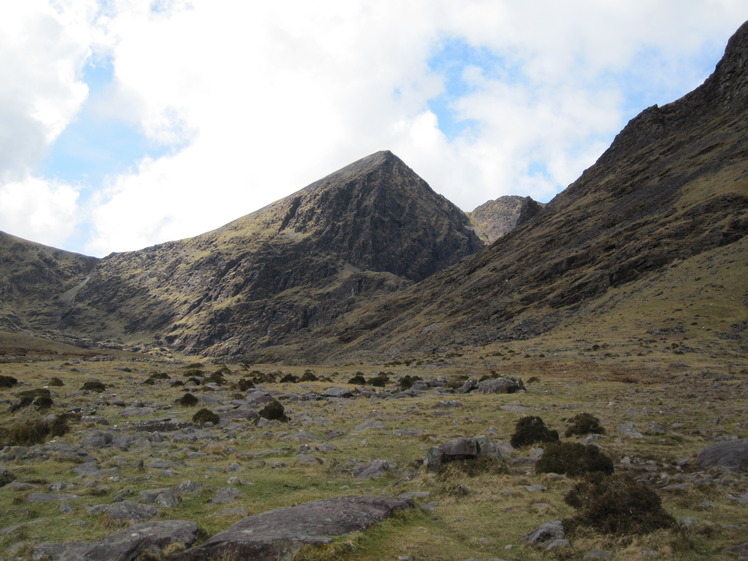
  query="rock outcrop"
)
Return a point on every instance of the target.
[{"x": 495, "y": 219}]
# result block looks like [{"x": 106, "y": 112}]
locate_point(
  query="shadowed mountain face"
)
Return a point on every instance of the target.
[
  {"x": 495, "y": 219},
  {"x": 371, "y": 227},
  {"x": 673, "y": 187}
]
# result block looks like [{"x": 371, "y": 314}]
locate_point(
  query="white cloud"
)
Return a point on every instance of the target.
[
  {"x": 259, "y": 99},
  {"x": 40, "y": 211}
]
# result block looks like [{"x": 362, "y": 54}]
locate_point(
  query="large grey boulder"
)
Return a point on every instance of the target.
[
  {"x": 731, "y": 455},
  {"x": 545, "y": 534},
  {"x": 124, "y": 545},
  {"x": 507, "y": 384},
  {"x": 460, "y": 449},
  {"x": 279, "y": 533}
]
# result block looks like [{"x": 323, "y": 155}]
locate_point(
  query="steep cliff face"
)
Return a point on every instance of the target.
[
  {"x": 672, "y": 187},
  {"x": 371, "y": 227},
  {"x": 495, "y": 219}
]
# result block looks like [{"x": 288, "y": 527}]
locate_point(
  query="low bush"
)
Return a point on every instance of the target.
[
  {"x": 274, "y": 411},
  {"x": 216, "y": 378},
  {"x": 245, "y": 384},
  {"x": 309, "y": 376},
  {"x": 358, "y": 379},
  {"x": 7, "y": 381},
  {"x": 187, "y": 400},
  {"x": 56, "y": 382},
  {"x": 94, "y": 386},
  {"x": 407, "y": 381},
  {"x": 30, "y": 397},
  {"x": 584, "y": 423},
  {"x": 205, "y": 416},
  {"x": 379, "y": 381},
  {"x": 289, "y": 379},
  {"x": 572, "y": 458},
  {"x": 531, "y": 430},
  {"x": 617, "y": 504}
]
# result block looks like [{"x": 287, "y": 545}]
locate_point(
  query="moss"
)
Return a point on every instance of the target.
[
  {"x": 617, "y": 504},
  {"x": 274, "y": 411},
  {"x": 531, "y": 430},
  {"x": 584, "y": 423},
  {"x": 205, "y": 416},
  {"x": 572, "y": 458},
  {"x": 187, "y": 400}
]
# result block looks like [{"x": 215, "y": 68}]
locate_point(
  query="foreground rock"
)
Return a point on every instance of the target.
[
  {"x": 150, "y": 538},
  {"x": 277, "y": 534},
  {"x": 729, "y": 455}
]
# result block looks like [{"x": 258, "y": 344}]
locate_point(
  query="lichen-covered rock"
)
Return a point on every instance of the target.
[
  {"x": 460, "y": 449},
  {"x": 279, "y": 533},
  {"x": 126, "y": 510}
]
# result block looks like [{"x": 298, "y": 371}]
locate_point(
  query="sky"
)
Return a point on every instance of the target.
[{"x": 127, "y": 123}]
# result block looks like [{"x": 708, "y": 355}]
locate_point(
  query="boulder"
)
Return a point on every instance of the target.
[
  {"x": 460, "y": 449},
  {"x": 545, "y": 534},
  {"x": 507, "y": 384},
  {"x": 279, "y": 533},
  {"x": 732, "y": 455},
  {"x": 124, "y": 545},
  {"x": 126, "y": 510},
  {"x": 373, "y": 469},
  {"x": 337, "y": 392}
]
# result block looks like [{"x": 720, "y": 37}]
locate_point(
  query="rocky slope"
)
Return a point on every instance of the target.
[
  {"x": 369, "y": 228},
  {"x": 495, "y": 219},
  {"x": 671, "y": 189},
  {"x": 35, "y": 282}
]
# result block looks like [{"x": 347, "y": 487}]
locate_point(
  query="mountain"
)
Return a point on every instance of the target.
[
  {"x": 649, "y": 240},
  {"x": 36, "y": 281},
  {"x": 372, "y": 227},
  {"x": 496, "y": 218}
]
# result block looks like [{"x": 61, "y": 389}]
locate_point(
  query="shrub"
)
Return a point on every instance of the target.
[
  {"x": 205, "y": 416},
  {"x": 533, "y": 380},
  {"x": 56, "y": 382},
  {"x": 94, "y": 386},
  {"x": 245, "y": 384},
  {"x": 28, "y": 397},
  {"x": 617, "y": 504},
  {"x": 43, "y": 403},
  {"x": 584, "y": 423},
  {"x": 358, "y": 379},
  {"x": 187, "y": 400},
  {"x": 380, "y": 380},
  {"x": 309, "y": 376},
  {"x": 274, "y": 411},
  {"x": 216, "y": 378},
  {"x": 289, "y": 379},
  {"x": 530, "y": 430},
  {"x": 7, "y": 381},
  {"x": 572, "y": 458},
  {"x": 192, "y": 372},
  {"x": 151, "y": 380},
  {"x": 407, "y": 381},
  {"x": 457, "y": 382}
]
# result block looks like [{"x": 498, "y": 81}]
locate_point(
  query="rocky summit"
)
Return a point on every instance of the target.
[{"x": 495, "y": 219}]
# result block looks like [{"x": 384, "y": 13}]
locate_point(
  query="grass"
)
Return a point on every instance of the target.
[{"x": 474, "y": 513}]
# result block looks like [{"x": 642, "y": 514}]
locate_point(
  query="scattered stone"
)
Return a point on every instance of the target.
[
  {"x": 507, "y": 384},
  {"x": 149, "y": 538},
  {"x": 49, "y": 497},
  {"x": 126, "y": 510},
  {"x": 370, "y": 424},
  {"x": 741, "y": 551},
  {"x": 448, "y": 403},
  {"x": 337, "y": 392},
  {"x": 408, "y": 433},
  {"x": 6, "y": 477},
  {"x": 597, "y": 554},
  {"x": 373, "y": 469},
  {"x": 732, "y": 455},
  {"x": 535, "y": 488},
  {"x": 226, "y": 495},
  {"x": 280, "y": 533},
  {"x": 629, "y": 430},
  {"x": 545, "y": 534},
  {"x": 188, "y": 487}
]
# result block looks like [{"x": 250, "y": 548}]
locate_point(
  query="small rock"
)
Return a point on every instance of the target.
[
  {"x": 126, "y": 510},
  {"x": 545, "y": 534},
  {"x": 597, "y": 554},
  {"x": 226, "y": 495},
  {"x": 373, "y": 469}
]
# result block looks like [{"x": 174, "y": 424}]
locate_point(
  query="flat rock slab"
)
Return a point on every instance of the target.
[
  {"x": 123, "y": 545},
  {"x": 279, "y": 533},
  {"x": 729, "y": 455}
]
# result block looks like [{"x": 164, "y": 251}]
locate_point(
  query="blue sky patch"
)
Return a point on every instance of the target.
[{"x": 92, "y": 147}]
